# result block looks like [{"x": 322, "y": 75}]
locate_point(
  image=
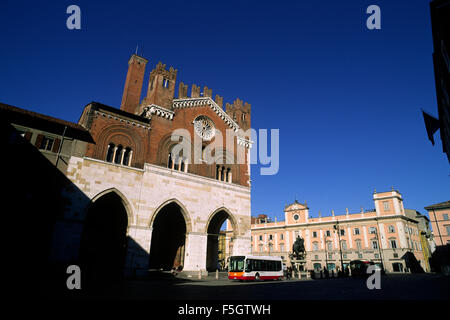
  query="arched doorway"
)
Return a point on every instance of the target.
[
  {"x": 168, "y": 238},
  {"x": 104, "y": 240},
  {"x": 219, "y": 242}
]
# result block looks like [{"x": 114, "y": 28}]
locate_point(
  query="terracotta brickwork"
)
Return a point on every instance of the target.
[
  {"x": 133, "y": 84},
  {"x": 130, "y": 159},
  {"x": 148, "y": 131}
]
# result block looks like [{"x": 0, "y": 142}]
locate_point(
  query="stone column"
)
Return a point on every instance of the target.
[
  {"x": 114, "y": 155},
  {"x": 138, "y": 250},
  {"x": 107, "y": 152},
  {"x": 195, "y": 254},
  {"x": 130, "y": 157},
  {"x": 122, "y": 154},
  {"x": 241, "y": 246}
]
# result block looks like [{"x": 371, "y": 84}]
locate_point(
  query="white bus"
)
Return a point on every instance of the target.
[{"x": 255, "y": 268}]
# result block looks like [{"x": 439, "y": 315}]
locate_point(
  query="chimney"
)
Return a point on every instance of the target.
[{"x": 133, "y": 84}]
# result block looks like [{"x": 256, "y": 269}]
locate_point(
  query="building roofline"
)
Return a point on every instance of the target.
[
  {"x": 39, "y": 121},
  {"x": 441, "y": 205},
  {"x": 100, "y": 106}
]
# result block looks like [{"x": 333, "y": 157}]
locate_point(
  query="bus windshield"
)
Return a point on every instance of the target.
[{"x": 236, "y": 264}]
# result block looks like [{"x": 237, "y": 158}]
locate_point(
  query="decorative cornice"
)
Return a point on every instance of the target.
[
  {"x": 244, "y": 142},
  {"x": 157, "y": 110},
  {"x": 115, "y": 117},
  {"x": 206, "y": 101}
]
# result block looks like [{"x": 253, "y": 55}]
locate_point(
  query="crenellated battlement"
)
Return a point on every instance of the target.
[
  {"x": 161, "y": 69},
  {"x": 239, "y": 111},
  {"x": 161, "y": 86},
  {"x": 238, "y": 104},
  {"x": 161, "y": 92}
]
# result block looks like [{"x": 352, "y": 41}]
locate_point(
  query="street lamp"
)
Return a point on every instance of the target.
[
  {"x": 379, "y": 245},
  {"x": 336, "y": 227},
  {"x": 326, "y": 253}
]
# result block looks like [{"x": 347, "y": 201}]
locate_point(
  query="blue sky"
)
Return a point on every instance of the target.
[{"x": 346, "y": 99}]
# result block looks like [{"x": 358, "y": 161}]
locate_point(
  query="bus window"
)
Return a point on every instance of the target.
[
  {"x": 278, "y": 264},
  {"x": 236, "y": 264},
  {"x": 271, "y": 265},
  {"x": 249, "y": 265}
]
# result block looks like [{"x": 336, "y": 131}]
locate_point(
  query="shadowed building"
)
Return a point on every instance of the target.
[
  {"x": 440, "y": 22},
  {"x": 440, "y": 222},
  {"x": 142, "y": 203}
]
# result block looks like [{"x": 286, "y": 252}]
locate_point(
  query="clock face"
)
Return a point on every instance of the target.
[
  {"x": 296, "y": 217},
  {"x": 204, "y": 127}
]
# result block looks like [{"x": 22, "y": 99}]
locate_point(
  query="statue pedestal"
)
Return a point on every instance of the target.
[
  {"x": 298, "y": 267},
  {"x": 298, "y": 264}
]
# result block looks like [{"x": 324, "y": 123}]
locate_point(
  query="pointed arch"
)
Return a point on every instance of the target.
[
  {"x": 215, "y": 237},
  {"x": 126, "y": 203},
  {"x": 183, "y": 210},
  {"x": 166, "y": 144},
  {"x": 170, "y": 224},
  {"x": 104, "y": 240},
  {"x": 230, "y": 216}
]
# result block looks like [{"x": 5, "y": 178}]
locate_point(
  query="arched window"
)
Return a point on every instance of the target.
[
  {"x": 177, "y": 162},
  {"x": 223, "y": 174},
  {"x": 127, "y": 156},
  {"x": 118, "y": 156},
  {"x": 182, "y": 165},
  {"x": 169, "y": 161},
  {"x": 110, "y": 152},
  {"x": 229, "y": 179}
]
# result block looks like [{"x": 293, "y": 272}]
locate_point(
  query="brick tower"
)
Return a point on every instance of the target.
[
  {"x": 133, "y": 84},
  {"x": 240, "y": 113},
  {"x": 161, "y": 86}
]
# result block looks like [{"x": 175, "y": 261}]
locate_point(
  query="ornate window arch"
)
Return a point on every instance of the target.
[
  {"x": 110, "y": 152},
  {"x": 119, "y": 154},
  {"x": 178, "y": 161}
]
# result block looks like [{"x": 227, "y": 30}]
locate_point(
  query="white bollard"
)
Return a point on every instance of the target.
[
  {"x": 217, "y": 274},
  {"x": 199, "y": 274}
]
